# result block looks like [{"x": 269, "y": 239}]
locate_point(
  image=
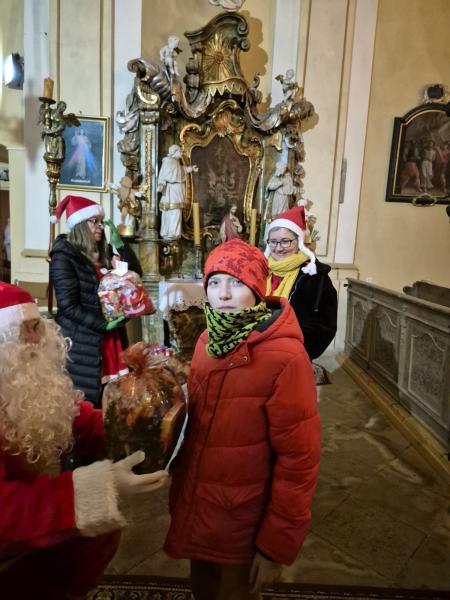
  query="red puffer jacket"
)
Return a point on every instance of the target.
[{"x": 248, "y": 470}]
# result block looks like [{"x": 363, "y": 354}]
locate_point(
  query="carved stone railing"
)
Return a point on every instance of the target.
[{"x": 403, "y": 343}]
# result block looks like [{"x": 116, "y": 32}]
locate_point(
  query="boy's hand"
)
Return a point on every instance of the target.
[{"x": 263, "y": 572}]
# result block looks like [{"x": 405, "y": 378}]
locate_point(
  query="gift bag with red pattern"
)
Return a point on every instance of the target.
[{"x": 124, "y": 296}]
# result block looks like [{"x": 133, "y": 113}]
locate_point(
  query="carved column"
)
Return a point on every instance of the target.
[{"x": 152, "y": 325}]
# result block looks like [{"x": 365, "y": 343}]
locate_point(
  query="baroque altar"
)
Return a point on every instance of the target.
[{"x": 198, "y": 147}]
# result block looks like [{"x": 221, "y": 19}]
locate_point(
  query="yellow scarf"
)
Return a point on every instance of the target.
[{"x": 288, "y": 269}]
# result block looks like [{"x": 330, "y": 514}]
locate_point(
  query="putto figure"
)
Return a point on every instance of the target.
[
  {"x": 171, "y": 184},
  {"x": 168, "y": 55},
  {"x": 288, "y": 85},
  {"x": 228, "y": 4},
  {"x": 130, "y": 205}
]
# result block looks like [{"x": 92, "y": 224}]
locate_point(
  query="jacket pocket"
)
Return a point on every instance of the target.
[
  {"x": 230, "y": 496},
  {"x": 228, "y": 517}
]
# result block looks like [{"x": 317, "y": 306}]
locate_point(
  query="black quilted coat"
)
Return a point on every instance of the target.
[
  {"x": 314, "y": 301},
  {"x": 79, "y": 313}
]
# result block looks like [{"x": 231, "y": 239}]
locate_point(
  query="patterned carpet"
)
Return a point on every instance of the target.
[
  {"x": 152, "y": 588},
  {"x": 320, "y": 375}
]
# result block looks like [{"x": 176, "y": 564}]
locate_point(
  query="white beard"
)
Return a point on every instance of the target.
[{"x": 38, "y": 402}]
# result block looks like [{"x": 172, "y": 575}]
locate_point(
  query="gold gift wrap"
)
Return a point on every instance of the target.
[{"x": 145, "y": 409}]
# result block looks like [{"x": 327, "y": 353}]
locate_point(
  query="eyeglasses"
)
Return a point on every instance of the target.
[
  {"x": 284, "y": 243},
  {"x": 96, "y": 222}
]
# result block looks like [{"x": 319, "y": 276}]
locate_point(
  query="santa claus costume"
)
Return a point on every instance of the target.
[{"x": 58, "y": 531}]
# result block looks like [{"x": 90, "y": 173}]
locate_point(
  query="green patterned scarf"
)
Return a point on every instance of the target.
[{"x": 226, "y": 330}]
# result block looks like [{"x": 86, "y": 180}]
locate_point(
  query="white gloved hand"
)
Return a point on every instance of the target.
[{"x": 128, "y": 483}]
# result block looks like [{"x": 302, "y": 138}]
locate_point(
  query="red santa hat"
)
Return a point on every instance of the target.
[
  {"x": 295, "y": 220},
  {"x": 16, "y": 306},
  {"x": 239, "y": 259},
  {"x": 78, "y": 209}
]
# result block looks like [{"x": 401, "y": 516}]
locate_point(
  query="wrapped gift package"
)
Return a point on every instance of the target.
[
  {"x": 146, "y": 409},
  {"x": 124, "y": 296}
]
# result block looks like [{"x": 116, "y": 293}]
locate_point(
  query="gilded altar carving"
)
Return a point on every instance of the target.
[
  {"x": 215, "y": 116},
  {"x": 213, "y": 107},
  {"x": 218, "y": 182}
]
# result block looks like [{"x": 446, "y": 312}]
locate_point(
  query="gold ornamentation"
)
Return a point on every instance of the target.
[
  {"x": 217, "y": 60},
  {"x": 225, "y": 121},
  {"x": 54, "y": 122}
]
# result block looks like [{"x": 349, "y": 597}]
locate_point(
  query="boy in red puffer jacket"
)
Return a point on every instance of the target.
[{"x": 243, "y": 485}]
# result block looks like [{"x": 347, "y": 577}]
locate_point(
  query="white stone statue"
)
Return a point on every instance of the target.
[
  {"x": 288, "y": 85},
  {"x": 168, "y": 55},
  {"x": 228, "y": 4},
  {"x": 171, "y": 184},
  {"x": 279, "y": 188}
]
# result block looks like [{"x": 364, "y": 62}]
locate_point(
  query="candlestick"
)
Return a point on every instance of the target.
[
  {"x": 48, "y": 88},
  {"x": 197, "y": 263},
  {"x": 252, "y": 236},
  {"x": 196, "y": 219}
]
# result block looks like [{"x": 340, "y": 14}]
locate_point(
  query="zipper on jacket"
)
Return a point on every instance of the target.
[{"x": 319, "y": 290}]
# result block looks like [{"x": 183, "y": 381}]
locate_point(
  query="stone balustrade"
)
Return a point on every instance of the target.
[{"x": 403, "y": 343}]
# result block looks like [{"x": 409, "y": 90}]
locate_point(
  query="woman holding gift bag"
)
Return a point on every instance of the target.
[{"x": 78, "y": 262}]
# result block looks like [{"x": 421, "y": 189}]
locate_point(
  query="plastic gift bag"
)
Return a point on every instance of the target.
[
  {"x": 146, "y": 409},
  {"x": 124, "y": 296}
]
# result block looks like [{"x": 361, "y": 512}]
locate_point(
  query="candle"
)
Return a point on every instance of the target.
[
  {"x": 252, "y": 236},
  {"x": 48, "y": 88},
  {"x": 196, "y": 218}
]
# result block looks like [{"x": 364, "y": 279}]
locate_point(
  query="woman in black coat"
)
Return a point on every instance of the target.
[
  {"x": 77, "y": 260},
  {"x": 297, "y": 275}
]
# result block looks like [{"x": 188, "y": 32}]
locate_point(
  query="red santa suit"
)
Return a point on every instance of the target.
[{"x": 57, "y": 533}]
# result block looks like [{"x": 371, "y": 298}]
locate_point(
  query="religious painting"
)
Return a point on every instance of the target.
[
  {"x": 220, "y": 182},
  {"x": 4, "y": 176},
  {"x": 85, "y": 165},
  {"x": 419, "y": 170},
  {"x": 229, "y": 162}
]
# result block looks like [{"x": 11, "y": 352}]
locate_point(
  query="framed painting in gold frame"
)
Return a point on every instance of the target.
[{"x": 419, "y": 167}]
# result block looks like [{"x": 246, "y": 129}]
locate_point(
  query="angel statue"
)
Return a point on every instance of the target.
[
  {"x": 228, "y": 4},
  {"x": 172, "y": 185},
  {"x": 128, "y": 123},
  {"x": 130, "y": 205},
  {"x": 54, "y": 121},
  {"x": 288, "y": 85},
  {"x": 168, "y": 54}
]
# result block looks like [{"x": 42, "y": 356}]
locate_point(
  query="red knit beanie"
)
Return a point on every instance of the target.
[{"x": 239, "y": 259}]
